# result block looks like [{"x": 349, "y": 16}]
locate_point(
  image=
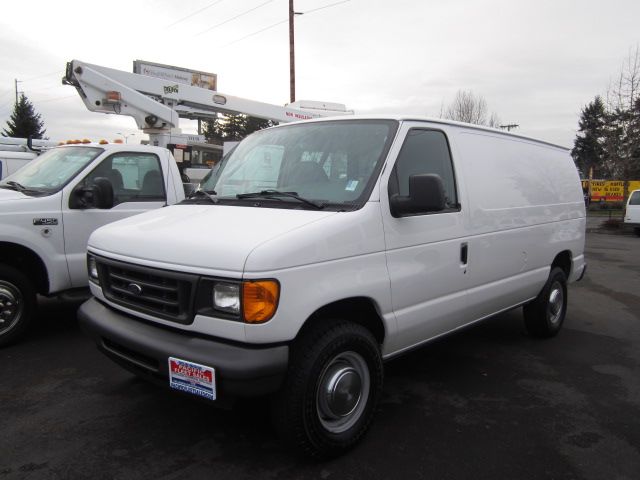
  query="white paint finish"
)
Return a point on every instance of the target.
[
  {"x": 210, "y": 236},
  {"x": 17, "y": 212},
  {"x": 423, "y": 256},
  {"x": 322, "y": 237},
  {"x": 307, "y": 288}
]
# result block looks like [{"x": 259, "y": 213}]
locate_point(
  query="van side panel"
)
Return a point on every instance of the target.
[{"x": 525, "y": 207}]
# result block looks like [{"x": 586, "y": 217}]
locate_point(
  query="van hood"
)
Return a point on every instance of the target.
[
  {"x": 8, "y": 194},
  {"x": 215, "y": 237}
]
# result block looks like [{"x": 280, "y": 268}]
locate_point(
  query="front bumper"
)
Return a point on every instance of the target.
[{"x": 242, "y": 370}]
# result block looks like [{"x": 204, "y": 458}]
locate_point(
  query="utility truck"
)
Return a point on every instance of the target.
[{"x": 49, "y": 208}]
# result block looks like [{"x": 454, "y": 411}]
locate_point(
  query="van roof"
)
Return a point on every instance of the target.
[{"x": 442, "y": 121}]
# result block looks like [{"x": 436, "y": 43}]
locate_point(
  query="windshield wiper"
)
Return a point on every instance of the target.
[
  {"x": 16, "y": 186},
  {"x": 270, "y": 193}
]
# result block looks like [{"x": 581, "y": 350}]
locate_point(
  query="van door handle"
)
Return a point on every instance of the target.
[{"x": 464, "y": 254}]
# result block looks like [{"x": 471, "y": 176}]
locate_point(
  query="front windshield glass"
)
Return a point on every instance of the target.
[
  {"x": 330, "y": 163},
  {"x": 53, "y": 169}
]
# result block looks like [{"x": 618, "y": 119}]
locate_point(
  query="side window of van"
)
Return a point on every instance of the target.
[{"x": 424, "y": 151}]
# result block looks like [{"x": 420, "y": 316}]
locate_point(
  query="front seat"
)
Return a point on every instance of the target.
[{"x": 152, "y": 184}]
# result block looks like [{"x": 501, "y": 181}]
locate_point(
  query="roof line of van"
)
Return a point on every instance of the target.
[{"x": 417, "y": 118}]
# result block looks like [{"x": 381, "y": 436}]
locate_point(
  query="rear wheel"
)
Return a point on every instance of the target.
[
  {"x": 636, "y": 230},
  {"x": 331, "y": 391},
  {"x": 17, "y": 304},
  {"x": 544, "y": 316}
]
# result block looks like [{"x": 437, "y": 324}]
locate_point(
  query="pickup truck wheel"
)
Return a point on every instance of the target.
[
  {"x": 636, "y": 230},
  {"x": 331, "y": 391},
  {"x": 17, "y": 304},
  {"x": 544, "y": 316}
]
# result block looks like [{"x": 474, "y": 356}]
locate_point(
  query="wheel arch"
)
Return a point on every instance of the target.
[
  {"x": 27, "y": 261},
  {"x": 564, "y": 261},
  {"x": 361, "y": 310}
]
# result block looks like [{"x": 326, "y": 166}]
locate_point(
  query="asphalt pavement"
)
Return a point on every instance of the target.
[{"x": 487, "y": 403}]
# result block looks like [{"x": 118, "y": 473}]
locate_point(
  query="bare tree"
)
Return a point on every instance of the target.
[
  {"x": 470, "y": 108},
  {"x": 621, "y": 139}
]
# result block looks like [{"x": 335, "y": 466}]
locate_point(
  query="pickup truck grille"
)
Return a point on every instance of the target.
[{"x": 161, "y": 293}]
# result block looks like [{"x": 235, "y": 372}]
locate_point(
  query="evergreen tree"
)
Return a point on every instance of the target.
[
  {"x": 24, "y": 121},
  {"x": 232, "y": 128},
  {"x": 589, "y": 146}
]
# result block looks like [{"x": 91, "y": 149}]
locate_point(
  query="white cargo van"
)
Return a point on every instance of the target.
[
  {"x": 318, "y": 250},
  {"x": 632, "y": 215}
]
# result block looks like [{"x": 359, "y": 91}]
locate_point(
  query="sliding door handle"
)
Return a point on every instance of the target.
[{"x": 464, "y": 254}]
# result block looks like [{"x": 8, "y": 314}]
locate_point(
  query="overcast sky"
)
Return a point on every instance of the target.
[{"x": 537, "y": 63}]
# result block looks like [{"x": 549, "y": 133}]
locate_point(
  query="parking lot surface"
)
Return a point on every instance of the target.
[{"x": 487, "y": 403}]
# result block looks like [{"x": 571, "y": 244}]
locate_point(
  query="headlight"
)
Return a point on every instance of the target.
[
  {"x": 226, "y": 297},
  {"x": 251, "y": 301},
  {"x": 92, "y": 269}
]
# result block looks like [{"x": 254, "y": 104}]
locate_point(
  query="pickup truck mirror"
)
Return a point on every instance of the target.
[
  {"x": 426, "y": 194},
  {"x": 98, "y": 195}
]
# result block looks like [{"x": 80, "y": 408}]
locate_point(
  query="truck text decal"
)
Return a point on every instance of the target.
[
  {"x": 45, "y": 221},
  {"x": 171, "y": 89}
]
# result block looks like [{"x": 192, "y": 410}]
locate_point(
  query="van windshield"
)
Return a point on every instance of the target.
[
  {"x": 328, "y": 163},
  {"x": 635, "y": 198},
  {"x": 52, "y": 170}
]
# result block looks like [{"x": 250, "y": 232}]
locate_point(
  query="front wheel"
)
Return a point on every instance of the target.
[
  {"x": 331, "y": 391},
  {"x": 17, "y": 304},
  {"x": 544, "y": 316}
]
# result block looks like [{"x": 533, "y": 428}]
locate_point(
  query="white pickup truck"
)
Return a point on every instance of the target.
[{"x": 49, "y": 208}]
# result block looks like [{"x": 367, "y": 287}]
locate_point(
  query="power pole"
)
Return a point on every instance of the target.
[
  {"x": 292, "y": 57},
  {"x": 16, "y": 81}
]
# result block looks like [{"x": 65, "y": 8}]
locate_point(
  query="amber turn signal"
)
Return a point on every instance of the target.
[{"x": 259, "y": 300}]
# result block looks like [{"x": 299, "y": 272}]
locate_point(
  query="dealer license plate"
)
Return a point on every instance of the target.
[{"x": 192, "y": 378}]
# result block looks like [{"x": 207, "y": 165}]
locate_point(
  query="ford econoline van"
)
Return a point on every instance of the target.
[{"x": 318, "y": 250}]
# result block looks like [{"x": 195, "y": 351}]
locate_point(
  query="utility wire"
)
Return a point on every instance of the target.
[
  {"x": 54, "y": 99},
  {"x": 326, "y": 6},
  {"x": 57, "y": 72},
  {"x": 280, "y": 23},
  {"x": 255, "y": 33},
  {"x": 233, "y": 18},
  {"x": 194, "y": 13}
]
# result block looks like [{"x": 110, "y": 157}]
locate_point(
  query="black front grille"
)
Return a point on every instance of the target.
[{"x": 161, "y": 293}]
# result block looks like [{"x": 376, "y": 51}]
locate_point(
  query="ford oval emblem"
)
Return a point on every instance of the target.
[{"x": 134, "y": 288}]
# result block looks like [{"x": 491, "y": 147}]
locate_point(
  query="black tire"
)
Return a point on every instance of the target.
[
  {"x": 337, "y": 354},
  {"x": 544, "y": 316},
  {"x": 636, "y": 230},
  {"x": 17, "y": 304}
]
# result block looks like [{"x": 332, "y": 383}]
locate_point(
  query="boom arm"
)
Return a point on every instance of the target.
[{"x": 157, "y": 104}]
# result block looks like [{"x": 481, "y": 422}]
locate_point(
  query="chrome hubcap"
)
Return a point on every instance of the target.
[
  {"x": 342, "y": 392},
  {"x": 10, "y": 306},
  {"x": 556, "y": 303}
]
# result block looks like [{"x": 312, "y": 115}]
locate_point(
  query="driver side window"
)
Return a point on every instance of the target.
[
  {"x": 135, "y": 177},
  {"x": 424, "y": 151}
]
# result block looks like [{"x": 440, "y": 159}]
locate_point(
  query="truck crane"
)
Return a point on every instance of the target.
[{"x": 157, "y": 104}]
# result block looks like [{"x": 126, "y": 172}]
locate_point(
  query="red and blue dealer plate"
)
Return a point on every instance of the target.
[{"x": 192, "y": 378}]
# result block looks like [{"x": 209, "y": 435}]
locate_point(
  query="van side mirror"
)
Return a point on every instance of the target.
[
  {"x": 99, "y": 195},
  {"x": 426, "y": 194}
]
